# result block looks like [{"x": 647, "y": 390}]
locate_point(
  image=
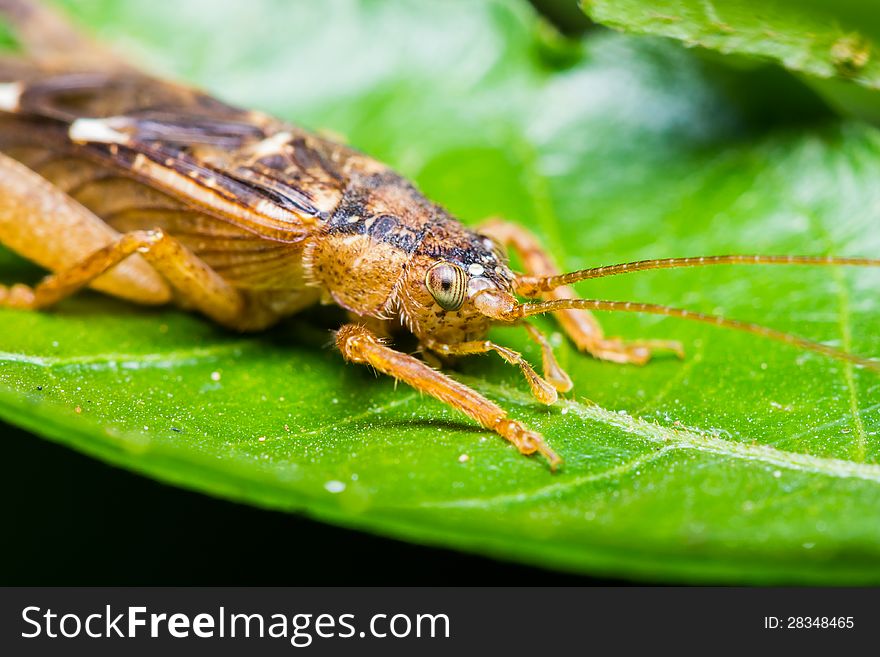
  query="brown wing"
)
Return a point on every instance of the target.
[
  {"x": 275, "y": 180},
  {"x": 248, "y": 169}
]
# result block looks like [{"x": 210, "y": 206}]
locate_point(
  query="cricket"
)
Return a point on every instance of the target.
[{"x": 157, "y": 193}]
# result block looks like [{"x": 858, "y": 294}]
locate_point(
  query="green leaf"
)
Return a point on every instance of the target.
[
  {"x": 835, "y": 46},
  {"x": 747, "y": 462},
  {"x": 813, "y": 37}
]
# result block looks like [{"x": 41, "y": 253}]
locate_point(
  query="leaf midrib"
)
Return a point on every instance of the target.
[
  {"x": 682, "y": 437},
  {"x": 122, "y": 361}
]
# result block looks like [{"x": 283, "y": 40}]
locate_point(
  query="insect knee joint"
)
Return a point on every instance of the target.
[
  {"x": 152, "y": 237},
  {"x": 142, "y": 240},
  {"x": 350, "y": 340}
]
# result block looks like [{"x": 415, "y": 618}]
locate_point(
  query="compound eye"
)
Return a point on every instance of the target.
[{"x": 447, "y": 283}]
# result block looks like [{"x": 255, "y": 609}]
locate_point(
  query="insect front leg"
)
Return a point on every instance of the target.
[
  {"x": 542, "y": 389},
  {"x": 359, "y": 345},
  {"x": 580, "y": 325}
]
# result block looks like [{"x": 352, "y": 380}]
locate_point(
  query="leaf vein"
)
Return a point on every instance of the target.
[
  {"x": 125, "y": 361},
  {"x": 844, "y": 321}
]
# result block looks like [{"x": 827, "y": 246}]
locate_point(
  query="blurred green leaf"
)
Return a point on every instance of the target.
[
  {"x": 747, "y": 462},
  {"x": 822, "y": 39},
  {"x": 835, "y": 43}
]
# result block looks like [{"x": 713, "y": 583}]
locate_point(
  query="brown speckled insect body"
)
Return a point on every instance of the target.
[{"x": 157, "y": 193}]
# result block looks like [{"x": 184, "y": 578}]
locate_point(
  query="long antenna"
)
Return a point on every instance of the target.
[
  {"x": 531, "y": 286},
  {"x": 528, "y": 309}
]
